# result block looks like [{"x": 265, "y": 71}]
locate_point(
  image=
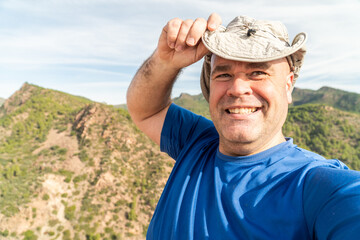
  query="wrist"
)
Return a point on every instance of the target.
[
  {"x": 157, "y": 68},
  {"x": 163, "y": 62}
]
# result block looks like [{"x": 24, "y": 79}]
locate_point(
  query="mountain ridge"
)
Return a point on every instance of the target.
[{"x": 343, "y": 100}]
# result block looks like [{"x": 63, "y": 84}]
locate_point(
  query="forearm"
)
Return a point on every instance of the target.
[
  {"x": 179, "y": 46},
  {"x": 150, "y": 90}
]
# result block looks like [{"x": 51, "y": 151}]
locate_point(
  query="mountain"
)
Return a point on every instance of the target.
[
  {"x": 74, "y": 169},
  {"x": 194, "y": 103},
  {"x": 340, "y": 99}
]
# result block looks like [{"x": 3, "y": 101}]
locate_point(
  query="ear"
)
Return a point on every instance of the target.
[{"x": 289, "y": 86}]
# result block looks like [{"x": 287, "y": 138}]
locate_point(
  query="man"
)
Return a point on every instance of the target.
[{"x": 238, "y": 177}]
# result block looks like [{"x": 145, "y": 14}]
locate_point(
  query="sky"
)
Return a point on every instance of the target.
[{"x": 93, "y": 48}]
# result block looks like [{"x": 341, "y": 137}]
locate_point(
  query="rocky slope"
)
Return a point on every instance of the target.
[{"x": 75, "y": 169}]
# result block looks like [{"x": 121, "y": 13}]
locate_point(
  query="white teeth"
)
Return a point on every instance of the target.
[{"x": 242, "y": 110}]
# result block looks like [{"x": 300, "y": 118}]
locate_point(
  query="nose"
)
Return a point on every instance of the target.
[{"x": 240, "y": 85}]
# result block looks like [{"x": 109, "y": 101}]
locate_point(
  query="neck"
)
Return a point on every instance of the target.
[{"x": 249, "y": 148}]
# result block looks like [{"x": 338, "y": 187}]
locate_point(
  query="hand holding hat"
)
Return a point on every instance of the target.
[{"x": 180, "y": 41}]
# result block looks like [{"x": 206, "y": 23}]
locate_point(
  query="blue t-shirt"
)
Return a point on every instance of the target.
[{"x": 284, "y": 192}]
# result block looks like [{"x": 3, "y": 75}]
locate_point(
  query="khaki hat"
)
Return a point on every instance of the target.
[{"x": 249, "y": 40}]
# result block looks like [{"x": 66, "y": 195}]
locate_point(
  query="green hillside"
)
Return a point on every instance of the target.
[
  {"x": 74, "y": 169},
  {"x": 343, "y": 100},
  {"x": 2, "y": 100},
  {"x": 194, "y": 103},
  {"x": 325, "y": 130}
]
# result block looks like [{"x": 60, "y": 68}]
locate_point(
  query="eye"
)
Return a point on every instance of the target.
[
  {"x": 222, "y": 77},
  {"x": 257, "y": 75}
]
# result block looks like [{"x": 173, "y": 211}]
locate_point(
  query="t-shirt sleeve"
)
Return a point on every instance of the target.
[
  {"x": 332, "y": 203},
  {"x": 180, "y": 128}
]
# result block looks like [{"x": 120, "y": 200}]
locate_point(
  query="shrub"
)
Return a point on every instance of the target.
[
  {"x": 66, "y": 235},
  {"x": 29, "y": 235},
  {"x": 70, "y": 212},
  {"x": 80, "y": 178},
  {"x": 83, "y": 155},
  {"x": 62, "y": 151},
  {"x": 46, "y": 197},
  {"x": 53, "y": 222},
  {"x": 4, "y": 233},
  {"x": 67, "y": 174},
  {"x": 93, "y": 236}
]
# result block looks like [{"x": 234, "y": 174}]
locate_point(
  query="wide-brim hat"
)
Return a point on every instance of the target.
[{"x": 249, "y": 40}]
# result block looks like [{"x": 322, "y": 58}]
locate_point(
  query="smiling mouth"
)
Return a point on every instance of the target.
[{"x": 243, "y": 110}]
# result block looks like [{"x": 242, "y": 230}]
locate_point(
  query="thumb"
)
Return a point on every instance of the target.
[
  {"x": 162, "y": 43},
  {"x": 201, "y": 51}
]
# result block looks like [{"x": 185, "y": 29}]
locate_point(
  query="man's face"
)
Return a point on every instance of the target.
[{"x": 248, "y": 103}]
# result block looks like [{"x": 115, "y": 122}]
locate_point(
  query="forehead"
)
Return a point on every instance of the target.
[{"x": 217, "y": 61}]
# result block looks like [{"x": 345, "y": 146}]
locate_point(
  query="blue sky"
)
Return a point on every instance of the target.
[{"x": 92, "y": 48}]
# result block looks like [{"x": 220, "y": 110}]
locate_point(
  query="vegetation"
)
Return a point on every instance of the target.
[
  {"x": 196, "y": 104},
  {"x": 29, "y": 235},
  {"x": 327, "y": 131},
  {"x": 70, "y": 212},
  {"x": 99, "y": 137},
  {"x": 94, "y": 175},
  {"x": 342, "y": 100}
]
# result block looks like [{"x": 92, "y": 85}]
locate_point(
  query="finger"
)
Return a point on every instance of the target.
[
  {"x": 172, "y": 29},
  {"x": 196, "y": 31},
  {"x": 183, "y": 33},
  {"x": 214, "y": 21}
]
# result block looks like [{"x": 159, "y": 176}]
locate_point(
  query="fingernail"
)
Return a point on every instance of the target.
[
  {"x": 212, "y": 26},
  {"x": 191, "y": 41},
  {"x": 172, "y": 45}
]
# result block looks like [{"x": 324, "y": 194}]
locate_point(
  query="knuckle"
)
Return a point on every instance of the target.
[
  {"x": 188, "y": 23},
  {"x": 172, "y": 37},
  {"x": 175, "y": 23},
  {"x": 200, "y": 21}
]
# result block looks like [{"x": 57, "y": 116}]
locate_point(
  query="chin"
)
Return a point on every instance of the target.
[
  {"x": 240, "y": 138},
  {"x": 242, "y": 134}
]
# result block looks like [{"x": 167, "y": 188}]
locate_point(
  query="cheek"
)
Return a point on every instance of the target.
[
  {"x": 217, "y": 91},
  {"x": 265, "y": 91},
  {"x": 274, "y": 95}
]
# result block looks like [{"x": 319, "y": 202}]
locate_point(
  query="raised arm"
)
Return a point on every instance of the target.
[{"x": 148, "y": 97}]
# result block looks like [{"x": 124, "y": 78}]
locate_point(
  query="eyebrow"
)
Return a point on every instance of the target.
[
  {"x": 261, "y": 65},
  {"x": 220, "y": 68},
  {"x": 225, "y": 68}
]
